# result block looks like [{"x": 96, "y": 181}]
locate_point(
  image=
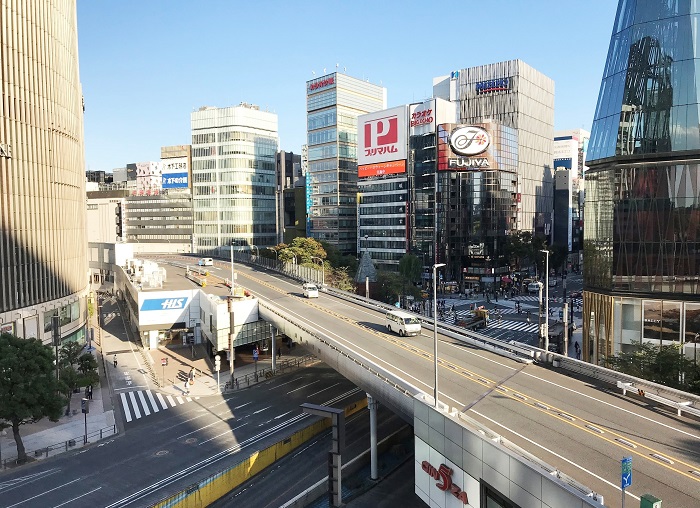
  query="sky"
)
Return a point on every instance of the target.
[{"x": 145, "y": 66}]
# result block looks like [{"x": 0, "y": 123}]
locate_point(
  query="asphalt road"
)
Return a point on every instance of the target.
[
  {"x": 580, "y": 428},
  {"x": 169, "y": 450}
]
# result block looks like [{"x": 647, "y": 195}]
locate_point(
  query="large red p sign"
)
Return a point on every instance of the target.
[{"x": 383, "y": 131}]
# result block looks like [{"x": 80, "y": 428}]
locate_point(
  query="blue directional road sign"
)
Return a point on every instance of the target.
[{"x": 626, "y": 472}]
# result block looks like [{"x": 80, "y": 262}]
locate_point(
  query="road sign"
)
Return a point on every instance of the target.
[
  {"x": 626, "y": 472},
  {"x": 164, "y": 361}
]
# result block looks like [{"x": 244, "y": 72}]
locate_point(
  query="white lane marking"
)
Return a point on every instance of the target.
[
  {"x": 153, "y": 401},
  {"x": 143, "y": 404},
  {"x": 44, "y": 493},
  {"x": 179, "y": 399},
  {"x": 188, "y": 399},
  {"x": 326, "y": 388},
  {"x": 260, "y": 410},
  {"x": 137, "y": 413},
  {"x": 283, "y": 414},
  {"x": 125, "y": 406},
  {"x": 202, "y": 428},
  {"x": 223, "y": 433},
  {"x": 82, "y": 495},
  {"x": 282, "y": 384},
  {"x": 163, "y": 404},
  {"x": 242, "y": 405},
  {"x": 556, "y": 455},
  {"x": 171, "y": 400},
  {"x": 304, "y": 386}
]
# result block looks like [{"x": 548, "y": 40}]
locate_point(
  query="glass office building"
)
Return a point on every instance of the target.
[
  {"x": 333, "y": 103},
  {"x": 234, "y": 182},
  {"x": 642, "y": 213}
]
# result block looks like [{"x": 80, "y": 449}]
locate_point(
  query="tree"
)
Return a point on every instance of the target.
[
  {"x": 70, "y": 352},
  {"x": 87, "y": 366},
  {"x": 388, "y": 287},
  {"x": 338, "y": 260},
  {"x": 665, "y": 365},
  {"x": 28, "y": 389},
  {"x": 340, "y": 278},
  {"x": 411, "y": 268}
]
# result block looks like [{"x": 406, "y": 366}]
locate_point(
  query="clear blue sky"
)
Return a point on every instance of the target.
[{"x": 146, "y": 65}]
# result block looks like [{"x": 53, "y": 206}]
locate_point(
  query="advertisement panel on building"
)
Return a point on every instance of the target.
[
  {"x": 175, "y": 173},
  {"x": 320, "y": 83},
  {"x": 468, "y": 147},
  {"x": 381, "y": 136},
  {"x": 164, "y": 307},
  {"x": 383, "y": 168},
  {"x": 422, "y": 118}
]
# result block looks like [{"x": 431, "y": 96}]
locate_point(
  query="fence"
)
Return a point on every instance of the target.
[
  {"x": 62, "y": 447},
  {"x": 267, "y": 372}
]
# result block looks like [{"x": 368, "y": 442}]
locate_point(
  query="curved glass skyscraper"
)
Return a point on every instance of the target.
[
  {"x": 642, "y": 211},
  {"x": 43, "y": 247}
]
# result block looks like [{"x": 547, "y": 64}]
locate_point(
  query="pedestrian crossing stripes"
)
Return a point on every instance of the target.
[
  {"x": 135, "y": 403},
  {"x": 521, "y": 326}
]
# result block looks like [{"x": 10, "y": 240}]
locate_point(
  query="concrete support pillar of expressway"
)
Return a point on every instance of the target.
[
  {"x": 372, "y": 406},
  {"x": 231, "y": 338},
  {"x": 273, "y": 349}
]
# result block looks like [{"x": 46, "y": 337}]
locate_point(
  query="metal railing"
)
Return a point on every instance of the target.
[
  {"x": 61, "y": 447},
  {"x": 267, "y": 372}
]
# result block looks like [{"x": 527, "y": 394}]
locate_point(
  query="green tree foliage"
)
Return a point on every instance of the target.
[
  {"x": 411, "y": 268},
  {"x": 87, "y": 367},
  {"x": 340, "y": 278},
  {"x": 338, "y": 260},
  {"x": 28, "y": 387},
  {"x": 70, "y": 352},
  {"x": 388, "y": 287},
  {"x": 664, "y": 365},
  {"x": 558, "y": 254},
  {"x": 77, "y": 369}
]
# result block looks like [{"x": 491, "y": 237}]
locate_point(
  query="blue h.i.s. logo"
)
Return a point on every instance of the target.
[{"x": 164, "y": 304}]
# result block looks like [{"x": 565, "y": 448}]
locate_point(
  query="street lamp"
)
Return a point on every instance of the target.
[
  {"x": 323, "y": 270},
  {"x": 546, "y": 304},
  {"x": 435, "y": 340},
  {"x": 233, "y": 274}
]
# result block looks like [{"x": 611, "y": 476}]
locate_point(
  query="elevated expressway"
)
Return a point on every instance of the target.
[{"x": 580, "y": 426}]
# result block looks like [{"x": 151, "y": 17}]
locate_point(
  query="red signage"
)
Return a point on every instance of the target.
[
  {"x": 382, "y": 168},
  {"x": 444, "y": 478},
  {"x": 421, "y": 117},
  {"x": 381, "y": 136},
  {"x": 320, "y": 84},
  {"x": 164, "y": 361}
]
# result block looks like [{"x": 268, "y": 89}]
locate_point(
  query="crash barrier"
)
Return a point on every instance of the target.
[
  {"x": 10, "y": 458},
  {"x": 197, "y": 279},
  {"x": 209, "y": 489},
  {"x": 682, "y": 402}
]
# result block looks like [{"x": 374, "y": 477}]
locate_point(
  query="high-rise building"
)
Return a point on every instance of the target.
[
  {"x": 333, "y": 103},
  {"x": 515, "y": 103},
  {"x": 233, "y": 173},
  {"x": 291, "y": 197},
  {"x": 570, "y": 149},
  {"x": 642, "y": 210},
  {"x": 43, "y": 263}
]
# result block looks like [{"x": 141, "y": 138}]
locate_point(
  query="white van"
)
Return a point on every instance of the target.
[
  {"x": 402, "y": 323},
  {"x": 206, "y": 262},
  {"x": 310, "y": 290},
  {"x": 534, "y": 287}
]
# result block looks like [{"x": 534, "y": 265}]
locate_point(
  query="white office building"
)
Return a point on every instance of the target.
[{"x": 233, "y": 177}]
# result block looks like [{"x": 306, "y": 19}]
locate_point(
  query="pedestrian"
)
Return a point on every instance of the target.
[
  {"x": 279, "y": 352},
  {"x": 187, "y": 387},
  {"x": 190, "y": 376},
  {"x": 89, "y": 394},
  {"x": 115, "y": 361}
]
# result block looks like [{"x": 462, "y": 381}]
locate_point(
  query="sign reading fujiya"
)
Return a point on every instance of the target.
[
  {"x": 320, "y": 84},
  {"x": 469, "y": 141},
  {"x": 421, "y": 117},
  {"x": 493, "y": 85},
  {"x": 444, "y": 478}
]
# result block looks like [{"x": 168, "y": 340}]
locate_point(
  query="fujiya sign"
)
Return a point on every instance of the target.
[
  {"x": 470, "y": 140},
  {"x": 443, "y": 475}
]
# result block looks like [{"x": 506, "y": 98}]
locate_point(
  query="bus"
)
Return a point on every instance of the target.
[{"x": 402, "y": 323}]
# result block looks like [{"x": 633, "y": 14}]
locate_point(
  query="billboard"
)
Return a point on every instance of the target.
[
  {"x": 382, "y": 168},
  {"x": 468, "y": 147},
  {"x": 381, "y": 136},
  {"x": 422, "y": 118},
  {"x": 175, "y": 173},
  {"x": 164, "y": 307}
]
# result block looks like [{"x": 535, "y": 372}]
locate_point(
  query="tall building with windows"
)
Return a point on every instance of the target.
[
  {"x": 515, "y": 102},
  {"x": 333, "y": 103},
  {"x": 234, "y": 182},
  {"x": 642, "y": 211},
  {"x": 43, "y": 262}
]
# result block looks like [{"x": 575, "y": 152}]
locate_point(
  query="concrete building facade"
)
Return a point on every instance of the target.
[{"x": 43, "y": 263}]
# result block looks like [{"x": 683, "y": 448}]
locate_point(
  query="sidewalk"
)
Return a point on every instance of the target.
[{"x": 45, "y": 438}]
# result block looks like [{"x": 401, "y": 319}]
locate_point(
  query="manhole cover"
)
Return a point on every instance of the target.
[
  {"x": 161, "y": 453},
  {"x": 191, "y": 440}
]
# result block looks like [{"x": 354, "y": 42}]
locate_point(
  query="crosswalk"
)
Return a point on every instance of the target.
[
  {"x": 520, "y": 326},
  {"x": 142, "y": 403},
  {"x": 578, "y": 302}
]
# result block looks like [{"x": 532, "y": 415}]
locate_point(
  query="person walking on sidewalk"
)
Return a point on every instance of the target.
[{"x": 115, "y": 360}]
